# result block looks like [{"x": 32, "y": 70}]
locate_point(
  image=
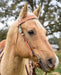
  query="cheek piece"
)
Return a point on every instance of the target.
[{"x": 19, "y": 30}]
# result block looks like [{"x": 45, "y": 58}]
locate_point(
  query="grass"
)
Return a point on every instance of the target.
[{"x": 55, "y": 72}]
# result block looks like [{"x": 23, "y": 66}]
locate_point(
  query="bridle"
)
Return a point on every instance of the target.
[{"x": 19, "y": 29}]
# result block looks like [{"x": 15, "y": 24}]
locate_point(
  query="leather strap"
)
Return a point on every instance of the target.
[
  {"x": 28, "y": 18},
  {"x": 27, "y": 70},
  {"x": 23, "y": 21},
  {"x": 29, "y": 48}
]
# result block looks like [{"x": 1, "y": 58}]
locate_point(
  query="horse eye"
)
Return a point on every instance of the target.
[{"x": 31, "y": 32}]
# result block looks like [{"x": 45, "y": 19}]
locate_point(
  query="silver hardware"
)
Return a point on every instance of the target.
[{"x": 20, "y": 30}]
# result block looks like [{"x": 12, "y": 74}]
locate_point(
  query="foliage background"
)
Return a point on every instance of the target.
[{"x": 49, "y": 17}]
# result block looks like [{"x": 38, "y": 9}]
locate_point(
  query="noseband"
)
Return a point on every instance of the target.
[{"x": 19, "y": 29}]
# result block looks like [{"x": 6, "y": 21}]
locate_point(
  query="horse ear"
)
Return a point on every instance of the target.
[
  {"x": 24, "y": 11},
  {"x": 37, "y": 11}
]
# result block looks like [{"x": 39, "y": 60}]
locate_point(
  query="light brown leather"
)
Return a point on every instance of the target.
[{"x": 28, "y": 18}]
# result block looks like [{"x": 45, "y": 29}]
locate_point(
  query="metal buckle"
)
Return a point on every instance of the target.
[{"x": 20, "y": 30}]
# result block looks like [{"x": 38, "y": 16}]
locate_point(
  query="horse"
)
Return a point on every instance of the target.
[{"x": 26, "y": 40}]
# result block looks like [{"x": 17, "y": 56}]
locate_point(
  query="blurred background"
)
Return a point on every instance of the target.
[{"x": 50, "y": 18}]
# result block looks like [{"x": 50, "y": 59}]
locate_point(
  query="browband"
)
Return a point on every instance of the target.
[{"x": 28, "y": 18}]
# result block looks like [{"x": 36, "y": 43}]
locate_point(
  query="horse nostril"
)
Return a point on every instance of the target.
[{"x": 50, "y": 63}]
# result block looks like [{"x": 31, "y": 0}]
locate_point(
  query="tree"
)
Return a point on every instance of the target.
[
  {"x": 3, "y": 34},
  {"x": 55, "y": 40},
  {"x": 50, "y": 13}
]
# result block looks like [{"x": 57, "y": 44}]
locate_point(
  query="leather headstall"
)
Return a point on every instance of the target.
[{"x": 20, "y": 31}]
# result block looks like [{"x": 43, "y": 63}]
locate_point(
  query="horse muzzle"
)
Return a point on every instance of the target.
[{"x": 49, "y": 65}]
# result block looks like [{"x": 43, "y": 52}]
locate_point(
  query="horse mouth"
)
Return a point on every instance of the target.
[{"x": 44, "y": 67}]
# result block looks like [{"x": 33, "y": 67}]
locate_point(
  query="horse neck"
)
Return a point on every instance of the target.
[{"x": 14, "y": 65}]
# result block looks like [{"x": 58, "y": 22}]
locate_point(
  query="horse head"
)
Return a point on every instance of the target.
[{"x": 31, "y": 41}]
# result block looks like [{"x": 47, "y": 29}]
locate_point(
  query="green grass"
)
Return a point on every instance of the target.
[{"x": 55, "y": 72}]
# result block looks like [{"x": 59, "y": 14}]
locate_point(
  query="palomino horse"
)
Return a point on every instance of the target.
[{"x": 26, "y": 39}]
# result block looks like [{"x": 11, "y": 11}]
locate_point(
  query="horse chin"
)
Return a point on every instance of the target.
[{"x": 44, "y": 68}]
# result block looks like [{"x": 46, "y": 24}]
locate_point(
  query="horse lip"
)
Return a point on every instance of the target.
[
  {"x": 50, "y": 66},
  {"x": 41, "y": 65}
]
